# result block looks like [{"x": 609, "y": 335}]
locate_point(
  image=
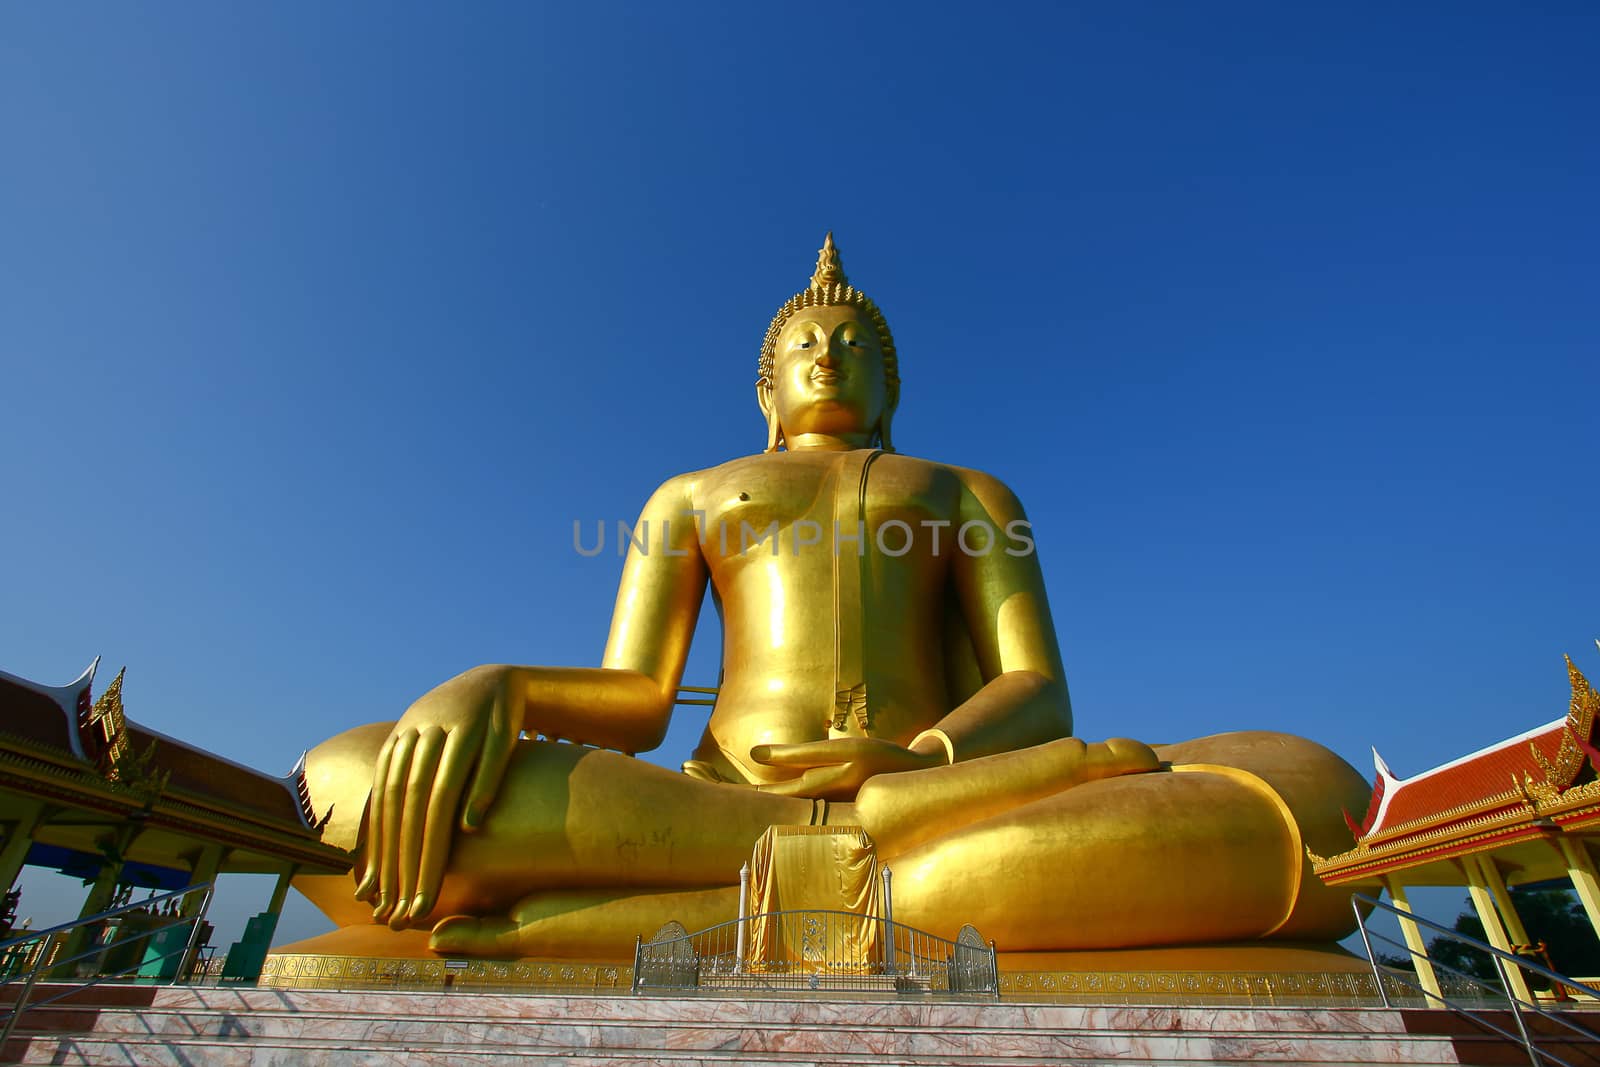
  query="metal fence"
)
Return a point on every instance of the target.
[
  {"x": 1574, "y": 1038},
  {"x": 163, "y": 953},
  {"x": 820, "y": 950}
]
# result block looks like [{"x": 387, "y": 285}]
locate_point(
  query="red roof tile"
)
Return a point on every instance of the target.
[
  {"x": 33, "y": 716},
  {"x": 1465, "y": 782}
]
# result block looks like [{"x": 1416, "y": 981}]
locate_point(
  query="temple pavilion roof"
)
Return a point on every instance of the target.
[
  {"x": 96, "y": 769},
  {"x": 1515, "y": 798}
]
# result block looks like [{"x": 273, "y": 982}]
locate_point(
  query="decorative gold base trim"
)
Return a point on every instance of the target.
[
  {"x": 284, "y": 971},
  {"x": 1257, "y": 987},
  {"x": 1072, "y": 978}
]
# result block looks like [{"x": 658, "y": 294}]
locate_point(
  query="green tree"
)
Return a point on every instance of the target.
[{"x": 1550, "y": 914}]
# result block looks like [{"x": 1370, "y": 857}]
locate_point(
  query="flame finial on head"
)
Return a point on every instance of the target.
[
  {"x": 830, "y": 288},
  {"x": 829, "y": 270}
]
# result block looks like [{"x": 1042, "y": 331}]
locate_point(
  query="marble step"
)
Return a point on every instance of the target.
[
  {"x": 555, "y": 1037},
  {"x": 125, "y": 1052},
  {"x": 370, "y": 1011},
  {"x": 176, "y": 1025},
  {"x": 890, "y": 1011}
]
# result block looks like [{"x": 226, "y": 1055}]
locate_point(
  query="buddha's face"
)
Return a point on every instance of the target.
[{"x": 827, "y": 374}]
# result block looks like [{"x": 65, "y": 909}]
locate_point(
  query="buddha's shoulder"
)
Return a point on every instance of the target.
[
  {"x": 690, "y": 484},
  {"x": 761, "y": 462},
  {"x": 970, "y": 479},
  {"x": 982, "y": 489},
  {"x": 975, "y": 482},
  {"x": 733, "y": 468}
]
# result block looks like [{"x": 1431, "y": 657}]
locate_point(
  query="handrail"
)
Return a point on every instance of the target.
[
  {"x": 101, "y": 916},
  {"x": 1536, "y": 1055},
  {"x": 43, "y": 961}
]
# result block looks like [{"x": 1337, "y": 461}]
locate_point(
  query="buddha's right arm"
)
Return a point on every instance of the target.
[
  {"x": 468, "y": 727},
  {"x": 605, "y": 707}
]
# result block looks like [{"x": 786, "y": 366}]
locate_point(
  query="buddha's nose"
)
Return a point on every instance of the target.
[{"x": 826, "y": 356}]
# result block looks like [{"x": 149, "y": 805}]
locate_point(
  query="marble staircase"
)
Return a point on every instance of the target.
[{"x": 225, "y": 1027}]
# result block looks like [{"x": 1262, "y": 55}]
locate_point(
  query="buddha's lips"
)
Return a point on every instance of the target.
[{"x": 826, "y": 377}]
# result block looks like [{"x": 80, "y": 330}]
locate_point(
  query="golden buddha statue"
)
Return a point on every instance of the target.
[{"x": 889, "y": 662}]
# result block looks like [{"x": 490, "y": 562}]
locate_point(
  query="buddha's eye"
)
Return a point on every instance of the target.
[{"x": 802, "y": 344}]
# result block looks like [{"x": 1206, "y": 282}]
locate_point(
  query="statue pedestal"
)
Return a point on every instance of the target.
[
  {"x": 1253, "y": 972},
  {"x": 801, "y": 873}
]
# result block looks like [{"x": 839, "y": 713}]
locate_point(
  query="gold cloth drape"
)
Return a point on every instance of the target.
[{"x": 815, "y": 868}]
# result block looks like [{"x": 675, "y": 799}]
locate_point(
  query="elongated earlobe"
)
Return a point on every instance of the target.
[
  {"x": 774, "y": 430},
  {"x": 883, "y": 431}
]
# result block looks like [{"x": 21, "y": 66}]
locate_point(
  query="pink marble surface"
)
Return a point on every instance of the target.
[
  {"x": 226, "y": 1055},
  {"x": 871, "y": 1012},
  {"x": 251, "y": 1026},
  {"x": 839, "y": 1040}
]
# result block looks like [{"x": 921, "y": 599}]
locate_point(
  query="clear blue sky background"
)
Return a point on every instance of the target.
[{"x": 319, "y": 325}]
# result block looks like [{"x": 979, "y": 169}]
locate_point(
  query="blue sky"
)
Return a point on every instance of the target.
[{"x": 320, "y": 326}]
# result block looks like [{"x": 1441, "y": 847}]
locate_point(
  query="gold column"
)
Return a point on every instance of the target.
[
  {"x": 1580, "y": 868},
  {"x": 280, "y": 892},
  {"x": 19, "y": 841},
  {"x": 98, "y": 900},
  {"x": 1414, "y": 940},
  {"x": 1502, "y": 898},
  {"x": 205, "y": 870},
  {"x": 1482, "y": 878}
]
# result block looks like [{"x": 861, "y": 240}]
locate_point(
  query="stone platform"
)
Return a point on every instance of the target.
[
  {"x": 229, "y": 1027},
  {"x": 1247, "y": 973}
]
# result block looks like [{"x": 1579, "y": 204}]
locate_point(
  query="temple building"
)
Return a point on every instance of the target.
[
  {"x": 88, "y": 792},
  {"x": 1523, "y": 811}
]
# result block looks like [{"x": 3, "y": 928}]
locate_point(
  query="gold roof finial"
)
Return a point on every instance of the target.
[{"x": 829, "y": 270}]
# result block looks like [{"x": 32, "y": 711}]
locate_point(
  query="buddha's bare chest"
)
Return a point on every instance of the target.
[
  {"x": 822, "y": 504},
  {"x": 832, "y": 598}
]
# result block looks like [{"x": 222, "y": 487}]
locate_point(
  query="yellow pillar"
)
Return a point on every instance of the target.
[
  {"x": 280, "y": 891},
  {"x": 1580, "y": 868},
  {"x": 18, "y": 842},
  {"x": 1414, "y": 940},
  {"x": 205, "y": 870},
  {"x": 1479, "y": 873},
  {"x": 78, "y": 941},
  {"x": 206, "y": 865},
  {"x": 1502, "y": 899},
  {"x": 100, "y": 896}
]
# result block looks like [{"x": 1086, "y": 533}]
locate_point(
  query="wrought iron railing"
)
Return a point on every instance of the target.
[
  {"x": 1567, "y": 1033},
  {"x": 820, "y": 950},
  {"x": 38, "y": 951}
]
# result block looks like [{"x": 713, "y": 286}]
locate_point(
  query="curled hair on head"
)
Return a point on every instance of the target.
[{"x": 829, "y": 288}]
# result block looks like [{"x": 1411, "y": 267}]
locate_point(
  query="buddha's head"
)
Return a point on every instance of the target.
[{"x": 828, "y": 363}]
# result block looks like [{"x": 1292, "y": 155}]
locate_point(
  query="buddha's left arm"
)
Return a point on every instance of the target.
[{"x": 1023, "y": 701}]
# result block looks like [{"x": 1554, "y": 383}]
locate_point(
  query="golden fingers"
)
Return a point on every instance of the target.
[{"x": 442, "y": 805}]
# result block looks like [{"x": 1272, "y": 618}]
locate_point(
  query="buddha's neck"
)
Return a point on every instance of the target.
[{"x": 827, "y": 442}]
